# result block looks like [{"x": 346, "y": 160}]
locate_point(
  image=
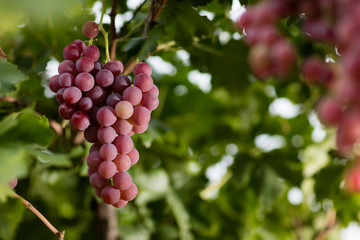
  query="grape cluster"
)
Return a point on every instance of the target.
[{"x": 110, "y": 109}]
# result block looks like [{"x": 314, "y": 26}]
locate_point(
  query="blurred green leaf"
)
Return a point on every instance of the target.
[
  {"x": 12, "y": 213},
  {"x": 9, "y": 76}
]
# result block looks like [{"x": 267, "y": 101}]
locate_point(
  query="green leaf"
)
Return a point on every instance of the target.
[
  {"x": 150, "y": 44},
  {"x": 13, "y": 160},
  {"x": 11, "y": 214},
  {"x": 10, "y": 75}
]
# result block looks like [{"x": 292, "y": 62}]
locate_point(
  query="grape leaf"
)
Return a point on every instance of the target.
[
  {"x": 9, "y": 76},
  {"x": 11, "y": 215}
]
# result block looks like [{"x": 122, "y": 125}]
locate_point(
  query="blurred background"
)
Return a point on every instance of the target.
[{"x": 226, "y": 156}]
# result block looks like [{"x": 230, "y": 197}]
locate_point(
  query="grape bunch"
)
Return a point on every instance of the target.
[
  {"x": 336, "y": 25},
  {"x": 109, "y": 108}
]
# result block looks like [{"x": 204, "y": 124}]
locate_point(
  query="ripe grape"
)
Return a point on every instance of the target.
[
  {"x": 59, "y": 95},
  {"x": 144, "y": 82},
  {"x": 123, "y": 143},
  {"x": 107, "y": 169},
  {"x": 120, "y": 204},
  {"x": 150, "y": 101},
  {"x": 113, "y": 99},
  {"x": 154, "y": 90},
  {"x": 85, "y": 104},
  {"x": 329, "y": 111},
  {"x": 120, "y": 83},
  {"x": 72, "y": 52},
  {"x": 72, "y": 95},
  {"x": 130, "y": 193},
  {"x": 124, "y": 109},
  {"x": 108, "y": 152},
  {"x": 133, "y": 95},
  {"x": 67, "y": 66},
  {"x": 122, "y": 162},
  {"x": 116, "y": 67},
  {"x": 122, "y": 180},
  {"x": 134, "y": 156},
  {"x": 92, "y": 52},
  {"x": 122, "y": 126},
  {"x": 84, "y": 81},
  {"x": 140, "y": 128},
  {"x": 104, "y": 78},
  {"x": 97, "y": 181},
  {"x": 141, "y": 115},
  {"x": 66, "y": 110},
  {"x": 110, "y": 195},
  {"x": 106, "y": 116},
  {"x": 106, "y": 134},
  {"x": 84, "y": 64},
  {"x": 66, "y": 80},
  {"x": 90, "y": 134},
  {"x": 80, "y": 121},
  {"x": 54, "y": 83},
  {"x": 142, "y": 67},
  {"x": 80, "y": 44},
  {"x": 95, "y": 147},
  {"x": 94, "y": 159},
  {"x": 97, "y": 95},
  {"x": 90, "y": 29}
]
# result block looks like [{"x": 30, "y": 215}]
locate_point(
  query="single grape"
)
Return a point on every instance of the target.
[
  {"x": 122, "y": 126},
  {"x": 97, "y": 181},
  {"x": 110, "y": 195},
  {"x": 67, "y": 66},
  {"x": 66, "y": 80},
  {"x": 108, "y": 152},
  {"x": 150, "y": 101},
  {"x": 59, "y": 95},
  {"x": 144, "y": 82},
  {"x": 120, "y": 204},
  {"x": 123, "y": 143},
  {"x": 72, "y": 95},
  {"x": 13, "y": 183},
  {"x": 95, "y": 147},
  {"x": 97, "y": 95},
  {"x": 94, "y": 159},
  {"x": 84, "y": 64},
  {"x": 113, "y": 99},
  {"x": 90, "y": 29},
  {"x": 54, "y": 83},
  {"x": 104, "y": 78},
  {"x": 116, "y": 67},
  {"x": 85, "y": 104},
  {"x": 106, "y": 135},
  {"x": 90, "y": 134},
  {"x": 92, "y": 52},
  {"x": 97, "y": 68},
  {"x": 154, "y": 90},
  {"x": 133, "y": 95},
  {"x": 130, "y": 134},
  {"x": 121, "y": 82},
  {"x": 141, "y": 115},
  {"x": 329, "y": 111},
  {"x": 106, "y": 116},
  {"x": 66, "y": 110},
  {"x": 142, "y": 67},
  {"x": 107, "y": 169},
  {"x": 134, "y": 156},
  {"x": 124, "y": 109},
  {"x": 80, "y": 121},
  {"x": 130, "y": 193},
  {"x": 71, "y": 52},
  {"x": 283, "y": 57},
  {"x": 140, "y": 128},
  {"x": 80, "y": 44},
  {"x": 84, "y": 81},
  {"x": 122, "y": 180},
  {"x": 92, "y": 115},
  {"x": 122, "y": 162}
]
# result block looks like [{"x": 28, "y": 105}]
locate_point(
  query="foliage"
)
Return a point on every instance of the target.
[{"x": 190, "y": 133}]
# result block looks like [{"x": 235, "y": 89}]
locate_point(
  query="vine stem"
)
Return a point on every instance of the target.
[
  {"x": 58, "y": 234},
  {"x": 106, "y": 35}
]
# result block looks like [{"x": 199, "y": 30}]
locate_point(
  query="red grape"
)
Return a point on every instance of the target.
[
  {"x": 72, "y": 95},
  {"x": 150, "y": 101},
  {"x": 97, "y": 181},
  {"x": 142, "y": 67},
  {"x": 90, "y": 134},
  {"x": 110, "y": 195},
  {"x": 133, "y": 95},
  {"x": 80, "y": 121},
  {"x": 107, "y": 169},
  {"x": 122, "y": 162},
  {"x": 54, "y": 83},
  {"x": 94, "y": 159},
  {"x": 134, "y": 156},
  {"x": 120, "y": 83},
  {"x": 66, "y": 110},
  {"x": 141, "y": 115},
  {"x": 66, "y": 80},
  {"x": 106, "y": 116},
  {"x": 92, "y": 52},
  {"x": 144, "y": 82},
  {"x": 72, "y": 52},
  {"x": 84, "y": 64},
  {"x": 90, "y": 29},
  {"x": 108, "y": 152},
  {"x": 106, "y": 134},
  {"x": 130, "y": 193},
  {"x": 104, "y": 78},
  {"x": 124, "y": 109},
  {"x": 84, "y": 81},
  {"x": 123, "y": 143},
  {"x": 122, "y": 126},
  {"x": 122, "y": 180}
]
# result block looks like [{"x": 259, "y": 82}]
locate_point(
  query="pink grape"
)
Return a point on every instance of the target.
[
  {"x": 134, "y": 156},
  {"x": 104, "y": 78},
  {"x": 85, "y": 104},
  {"x": 120, "y": 204},
  {"x": 80, "y": 44},
  {"x": 113, "y": 99},
  {"x": 107, "y": 169},
  {"x": 71, "y": 52},
  {"x": 72, "y": 95},
  {"x": 80, "y": 121},
  {"x": 124, "y": 109},
  {"x": 283, "y": 57},
  {"x": 90, "y": 29},
  {"x": 130, "y": 193},
  {"x": 130, "y": 134},
  {"x": 144, "y": 82},
  {"x": 90, "y": 134},
  {"x": 150, "y": 101},
  {"x": 116, "y": 67},
  {"x": 140, "y": 128},
  {"x": 13, "y": 183},
  {"x": 122, "y": 162},
  {"x": 141, "y": 115},
  {"x": 54, "y": 83},
  {"x": 95, "y": 147},
  {"x": 122, "y": 126},
  {"x": 67, "y": 66},
  {"x": 154, "y": 90},
  {"x": 142, "y": 67},
  {"x": 122, "y": 180},
  {"x": 97, "y": 95},
  {"x": 97, "y": 181},
  {"x": 94, "y": 159},
  {"x": 84, "y": 81},
  {"x": 123, "y": 143},
  {"x": 59, "y": 95},
  {"x": 92, "y": 52},
  {"x": 108, "y": 152},
  {"x": 84, "y": 64},
  {"x": 66, "y": 80},
  {"x": 110, "y": 195},
  {"x": 329, "y": 111},
  {"x": 66, "y": 110},
  {"x": 133, "y": 95},
  {"x": 106, "y": 116},
  {"x": 121, "y": 82},
  {"x": 106, "y": 134}
]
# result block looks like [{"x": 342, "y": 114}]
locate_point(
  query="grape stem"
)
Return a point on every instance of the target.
[
  {"x": 58, "y": 234},
  {"x": 106, "y": 35}
]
